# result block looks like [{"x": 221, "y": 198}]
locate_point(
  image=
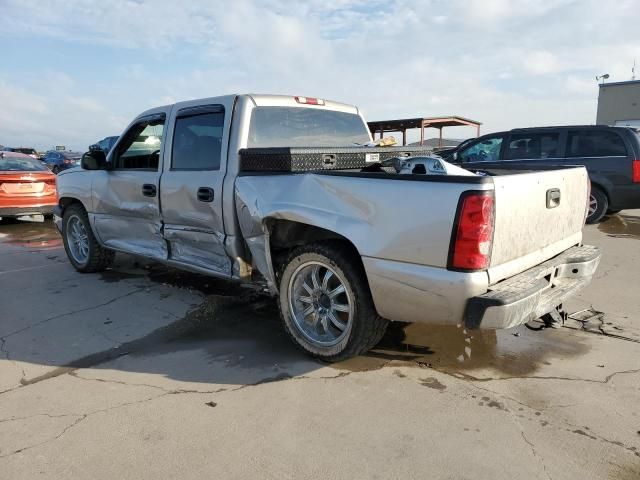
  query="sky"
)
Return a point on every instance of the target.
[{"x": 75, "y": 71}]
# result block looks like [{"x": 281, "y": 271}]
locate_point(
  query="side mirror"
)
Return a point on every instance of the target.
[
  {"x": 454, "y": 156},
  {"x": 94, "y": 160}
]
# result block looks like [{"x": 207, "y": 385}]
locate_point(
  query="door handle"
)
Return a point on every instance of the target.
[
  {"x": 149, "y": 190},
  {"x": 205, "y": 194},
  {"x": 553, "y": 197}
]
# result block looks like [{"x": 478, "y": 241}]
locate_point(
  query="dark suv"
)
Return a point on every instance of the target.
[{"x": 610, "y": 154}]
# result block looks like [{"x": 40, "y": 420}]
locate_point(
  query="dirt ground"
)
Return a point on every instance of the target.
[{"x": 145, "y": 372}]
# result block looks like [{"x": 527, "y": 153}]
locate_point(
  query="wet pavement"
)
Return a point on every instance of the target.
[
  {"x": 146, "y": 372},
  {"x": 621, "y": 225}
]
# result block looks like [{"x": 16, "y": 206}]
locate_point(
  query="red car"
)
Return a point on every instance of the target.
[{"x": 27, "y": 187}]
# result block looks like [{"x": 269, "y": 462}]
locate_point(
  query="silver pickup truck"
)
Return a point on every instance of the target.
[{"x": 343, "y": 250}]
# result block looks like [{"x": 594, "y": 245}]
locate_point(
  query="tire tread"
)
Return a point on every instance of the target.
[{"x": 100, "y": 258}]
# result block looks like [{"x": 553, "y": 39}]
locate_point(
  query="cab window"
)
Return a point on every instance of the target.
[
  {"x": 197, "y": 141},
  {"x": 140, "y": 148},
  {"x": 487, "y": 150}
]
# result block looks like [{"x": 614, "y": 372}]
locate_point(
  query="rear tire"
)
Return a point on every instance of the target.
[
  {"x": 83, "y": 250},
  {"x": 598, "y": 205},
  {"x": 328, "y": 325}
]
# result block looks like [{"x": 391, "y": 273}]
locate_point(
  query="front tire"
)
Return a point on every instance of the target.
[
  {"x": 325, "y": 302},
  {"x": 598, "y": 205},
  {"x": 83, "y": 250}
]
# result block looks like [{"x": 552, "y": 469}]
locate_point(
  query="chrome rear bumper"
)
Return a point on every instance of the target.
[{"x": 535, "y": 292}]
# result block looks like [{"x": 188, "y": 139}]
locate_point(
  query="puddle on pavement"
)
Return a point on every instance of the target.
[
  {"x": 32, "y": 235},
  {"x": 456, "y": 350},
  {"x": 624, "y": 226},
  {"x": 247, "y": 333}
]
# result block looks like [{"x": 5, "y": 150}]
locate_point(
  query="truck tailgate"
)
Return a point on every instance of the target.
[{"x": 537, "y": 216}]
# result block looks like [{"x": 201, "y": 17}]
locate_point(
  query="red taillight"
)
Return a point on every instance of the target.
[
  {"x": 309, "y": 100},
  {"x": 635, "y": 175},
  {"x": 473, "y": 234}
]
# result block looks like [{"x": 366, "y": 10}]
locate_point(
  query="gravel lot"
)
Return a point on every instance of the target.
[{"x": 145, "y": 372}]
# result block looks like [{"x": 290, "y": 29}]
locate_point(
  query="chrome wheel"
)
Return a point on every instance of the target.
[
  {"x": 77, "y": 239},
  {"x": 593, "y": 205},
  {"x": 321, "y": 306}
]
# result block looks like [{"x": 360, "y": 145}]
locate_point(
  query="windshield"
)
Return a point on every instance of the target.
[
  {"x": 20, "y": 164},
  {"x": 305, "y": 127}
]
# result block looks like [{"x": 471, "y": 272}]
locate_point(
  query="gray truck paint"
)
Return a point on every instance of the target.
[{"x": 401, "y": 229}]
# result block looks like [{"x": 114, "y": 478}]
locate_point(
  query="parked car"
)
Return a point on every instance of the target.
[
  {"x": 59, "y": 161},
  {"x": 26, "y": 186},
  {"x": 610, "y": 154},
  {"x": 203, "y": 185},
  {"x": 105, "y": 144},
  {"x": 25, "y": 150}
]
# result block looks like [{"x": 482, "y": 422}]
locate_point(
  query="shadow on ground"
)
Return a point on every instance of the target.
[{"x": 234, "y": 336}]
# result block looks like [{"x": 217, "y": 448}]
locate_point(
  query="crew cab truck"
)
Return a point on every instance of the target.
[{"x": 344, "y": 250}]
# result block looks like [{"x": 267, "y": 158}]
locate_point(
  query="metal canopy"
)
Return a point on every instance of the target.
[{"x": 404, "y": 124}]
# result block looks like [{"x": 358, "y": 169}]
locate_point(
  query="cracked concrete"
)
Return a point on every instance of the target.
[{"x": 115, "y": 375}]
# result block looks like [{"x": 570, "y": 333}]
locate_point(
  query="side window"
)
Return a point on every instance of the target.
[
  {"x": 487, "y": 150},
  {"x": 595, "y": 143},
  {"x": 140, "y": 148},
  {"x": 533, "y": 146},
  {"x": 197, "y": 141}
]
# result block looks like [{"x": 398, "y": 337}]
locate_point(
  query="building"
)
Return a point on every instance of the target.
[{"x": 619, "y": 104}]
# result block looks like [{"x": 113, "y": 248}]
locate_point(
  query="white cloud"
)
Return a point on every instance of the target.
[
  {"x": 505, "y": 63},
  {"x": 541, "y": 62}
]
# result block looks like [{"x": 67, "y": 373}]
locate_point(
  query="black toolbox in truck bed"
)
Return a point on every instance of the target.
[{"x": 307, "y": 159}]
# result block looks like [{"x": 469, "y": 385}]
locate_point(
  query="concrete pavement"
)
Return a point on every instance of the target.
[{"x": 145, "y": 372}]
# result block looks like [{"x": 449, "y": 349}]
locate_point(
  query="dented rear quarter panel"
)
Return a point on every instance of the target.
[{"x": 401, "y": 220}]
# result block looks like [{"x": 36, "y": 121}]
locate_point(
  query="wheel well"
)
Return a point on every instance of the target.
[
  {"x": 598, "y": 186},
  {"x": 287, "y": 234},
  {"x": 65, "y": 202}
]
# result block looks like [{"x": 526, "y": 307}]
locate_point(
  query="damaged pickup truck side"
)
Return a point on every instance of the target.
[{"x": 215, "y": 186}]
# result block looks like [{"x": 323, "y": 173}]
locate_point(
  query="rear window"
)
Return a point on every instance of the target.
[
  {"x": 595, "y": 143},
  {"x": 20, "y": 164},
  {"x": 305, "y": 127}
]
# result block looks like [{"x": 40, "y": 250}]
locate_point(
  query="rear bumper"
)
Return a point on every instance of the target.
[
  {"x": 535, "y": 292},
  {"x": 23, "y": 211}
]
